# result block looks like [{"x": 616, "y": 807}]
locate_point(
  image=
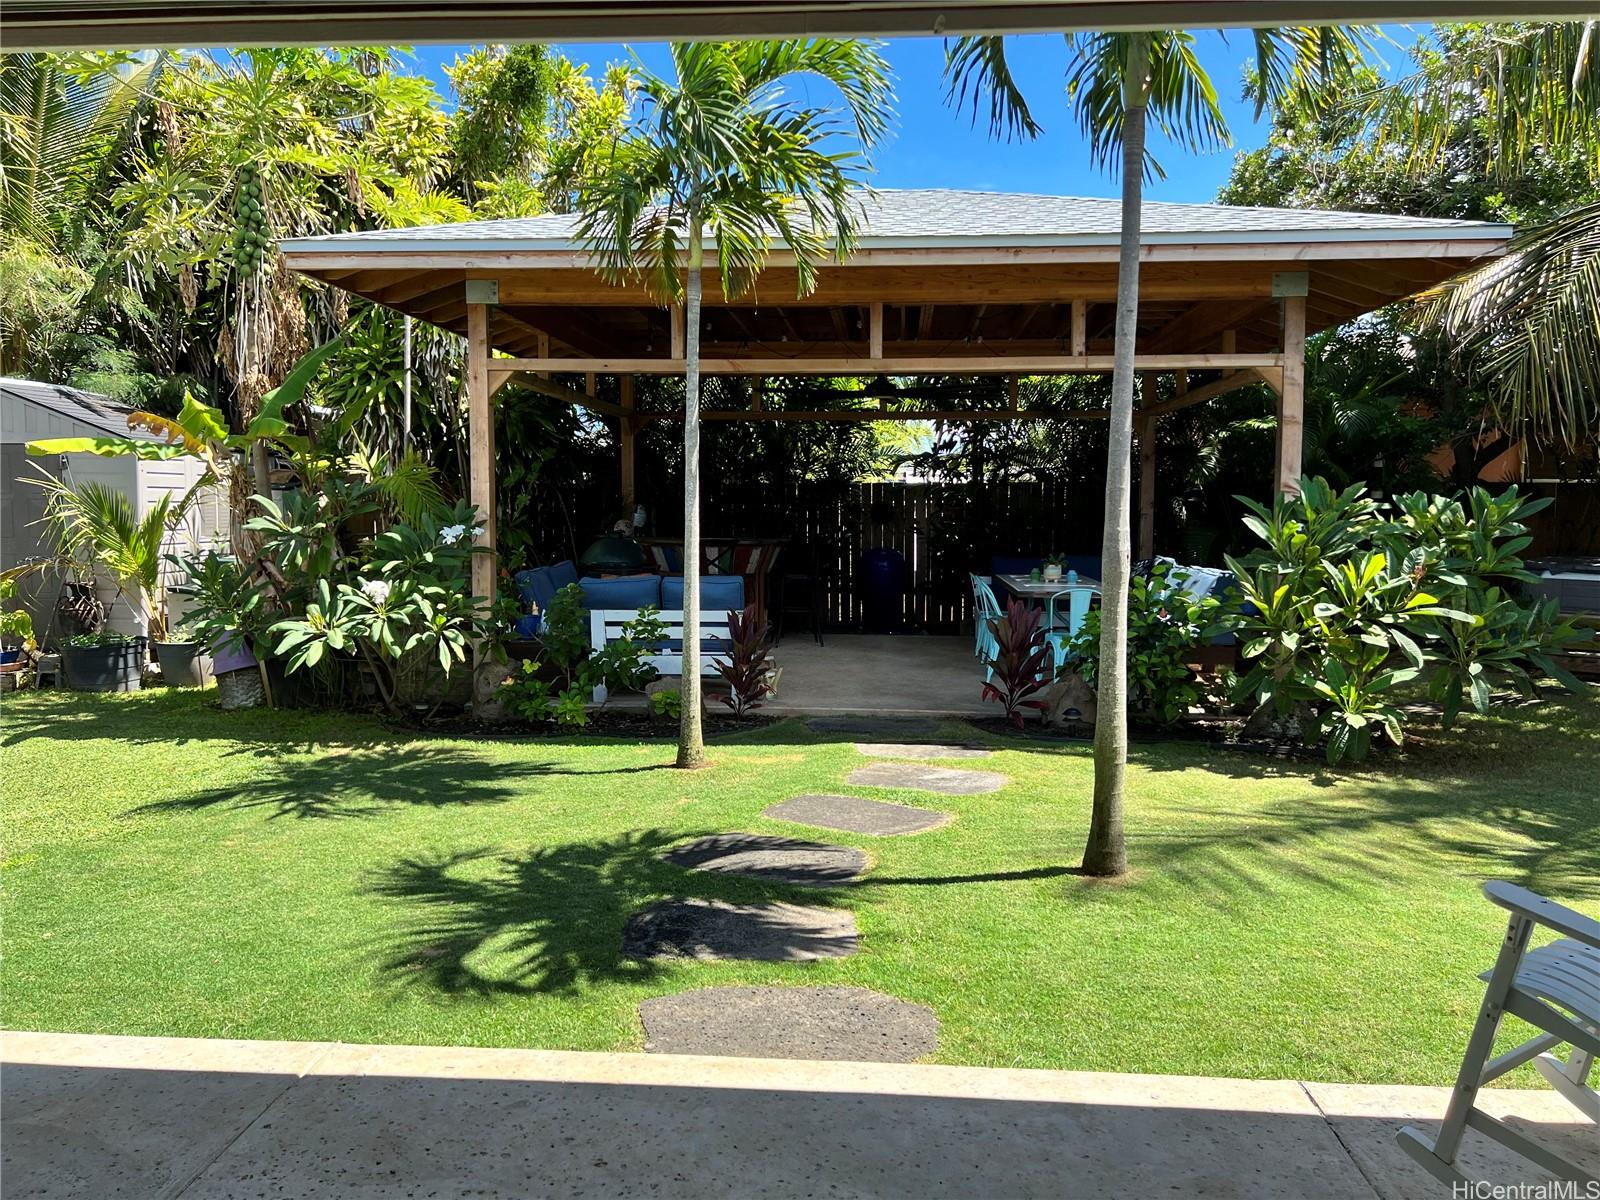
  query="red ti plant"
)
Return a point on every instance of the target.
[
  {"x": 1021, "y": 662},
  {"x": 748, "y": 667}
]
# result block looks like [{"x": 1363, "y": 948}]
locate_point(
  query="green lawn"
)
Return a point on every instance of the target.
[{"x": 173, "y": 869}]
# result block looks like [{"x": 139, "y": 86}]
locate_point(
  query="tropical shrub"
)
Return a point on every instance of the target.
[
  {"x": 1349, "y": 598},
  {"x": 1166, "y": 625},
  {"x": 557, "y": 684},
  {"x": 748, "y": 667},
  {"x": 15, "y": 623},
  {"x": 225, "y": 604},
  {"x": 1022, "y": 661},
  {"x": 95, "y": 526},
  {"x": 405, "y": 591}
]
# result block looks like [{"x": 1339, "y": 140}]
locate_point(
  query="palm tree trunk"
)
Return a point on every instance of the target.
[
  {"x": 691, "y": 737},
  {"x": 1106, "y": 852}
]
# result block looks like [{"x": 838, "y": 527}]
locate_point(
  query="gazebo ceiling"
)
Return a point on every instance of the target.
[{"x": 937, "y": 275}]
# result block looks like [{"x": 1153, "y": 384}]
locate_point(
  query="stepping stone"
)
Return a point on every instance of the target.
[
  {"x": 839, "y": 1023},
  {"x": 919, "y": 750},
  {"x": 853, "y": 814},
  {"x": 903, "y": 726},
  {"x": 776, "y": 859},
  {"x": 948, "y": 781},
  {"x": 710, "y": 930}
]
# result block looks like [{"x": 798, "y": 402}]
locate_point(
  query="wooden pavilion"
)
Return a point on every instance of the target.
[{"x": 944, "y": 283}]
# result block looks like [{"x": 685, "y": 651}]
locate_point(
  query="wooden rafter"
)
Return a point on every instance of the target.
[{"x": 956, "y": 364}]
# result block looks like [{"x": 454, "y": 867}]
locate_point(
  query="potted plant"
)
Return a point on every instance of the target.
[
  {"x": 1055, "y": 565},
  {"x": 225, "y": 612},
  {"x": 97, "y": 527},
  {"x": 16, "y": 639},
  {"x": 184, "y": 659},
  {"x": 104, "y": 662}
]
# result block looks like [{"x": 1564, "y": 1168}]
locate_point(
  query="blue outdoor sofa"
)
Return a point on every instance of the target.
[{"x": 615, "y": 601}]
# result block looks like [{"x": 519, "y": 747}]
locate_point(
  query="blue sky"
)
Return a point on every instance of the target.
[{"x": 934, "y": 146}]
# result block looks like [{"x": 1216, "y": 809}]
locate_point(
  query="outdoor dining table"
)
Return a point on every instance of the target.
[{"x": 1042, "y": 589}]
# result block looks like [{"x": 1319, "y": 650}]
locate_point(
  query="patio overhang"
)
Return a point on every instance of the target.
[
  {"x": 949, "y": 284},
  {"x": 92, "y": 24}
]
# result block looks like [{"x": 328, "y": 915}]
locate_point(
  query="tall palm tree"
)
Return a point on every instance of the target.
[
  {"x": 1114, "y": 80},
  {"x": 722, "y": 149},
  {"x": 1527, "y": 325}
]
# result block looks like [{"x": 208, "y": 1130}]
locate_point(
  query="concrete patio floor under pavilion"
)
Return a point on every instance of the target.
[
  {"x": 943, "y": 285},
  {"x": 188, "y": 1119},
  {"x": 880, "y": 674},
  {"x": 866, "y": 674}
]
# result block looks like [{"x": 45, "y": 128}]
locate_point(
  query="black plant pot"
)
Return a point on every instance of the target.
[
  {"x": 183, "y": 664},
  {"x": 114, "y": 667}
]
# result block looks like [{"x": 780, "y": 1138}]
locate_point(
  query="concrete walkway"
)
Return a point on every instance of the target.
[{"x": 152, "y": 1117}]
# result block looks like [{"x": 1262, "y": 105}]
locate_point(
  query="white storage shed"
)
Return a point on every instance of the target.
[{"x": 30, "y": 411}]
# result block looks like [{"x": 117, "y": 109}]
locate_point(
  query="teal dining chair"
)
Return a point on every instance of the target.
[
  {"x": 985, "y": 611},
  {"x": 1061, "y": 627}
]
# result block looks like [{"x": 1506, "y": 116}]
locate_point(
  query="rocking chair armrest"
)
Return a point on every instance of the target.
[{"x": 1545, "y": 912}]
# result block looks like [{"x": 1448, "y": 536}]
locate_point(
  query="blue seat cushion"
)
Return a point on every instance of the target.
[
  {"x": 563, "y": 573},
  {"x": 539, "y": 585},
  {"x": 534, "y": 587},
  {"x": 625, "y": 591},
  {"x": 718, "y": 593}
]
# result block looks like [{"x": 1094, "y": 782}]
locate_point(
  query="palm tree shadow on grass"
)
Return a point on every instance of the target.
[
  {"x": 365, "y": 783},
  {"x": 553, "y": 918},
  {"x": 483, "y": 922}
]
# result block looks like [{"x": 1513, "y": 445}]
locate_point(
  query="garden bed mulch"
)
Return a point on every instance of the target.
[
  {"x": 1223, "y": 734},
  {"x": 622, "y": 723}
]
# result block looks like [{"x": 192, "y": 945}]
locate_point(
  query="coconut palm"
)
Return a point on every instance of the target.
[
  {"x": 64, "y": 119},
  {"x": 1114, "y": 80},
  {"x": 1526, "y": 325},
  {"x": 721, "y": 149}
]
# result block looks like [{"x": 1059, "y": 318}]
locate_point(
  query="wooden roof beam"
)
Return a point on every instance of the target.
[
  {"x": 957, "y": 364},
  {"x": 1201, "y": 322},
  {"x": 1231, "y": 382}
]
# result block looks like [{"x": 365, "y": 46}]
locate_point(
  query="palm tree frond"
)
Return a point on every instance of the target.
[
  {"x": 975, "y": 69},
  {"x": 1528, "y": 326}
]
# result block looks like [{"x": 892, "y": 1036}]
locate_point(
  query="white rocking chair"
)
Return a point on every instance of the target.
[{"x": 1556, "y": 989}]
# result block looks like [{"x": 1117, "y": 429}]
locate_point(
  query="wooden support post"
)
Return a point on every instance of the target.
[
  {"x": 875, "y": 331},
  {"x": 1011, "y": 392},
  {"x": 677, "y": 331},
  {"x": 1146, "y": 426},
  {"x": 1230, "y": 341},
  {"x": 625, "y": 438},
  {"x": 544, "y": 352},
  {"x": 1291, "y": 401},
  {"x": 1080, "y": 327},
  {"x": 480, "y": 449},
  {"x": 1181, "y": 382}
]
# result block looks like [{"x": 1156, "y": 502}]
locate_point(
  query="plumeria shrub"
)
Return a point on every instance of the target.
[
  {"x": 398, "y": 602},
  {"x": 1349, "y": 598}
]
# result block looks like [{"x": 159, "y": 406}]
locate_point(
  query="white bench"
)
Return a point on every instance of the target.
[{"x": 606, "y": 624}]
